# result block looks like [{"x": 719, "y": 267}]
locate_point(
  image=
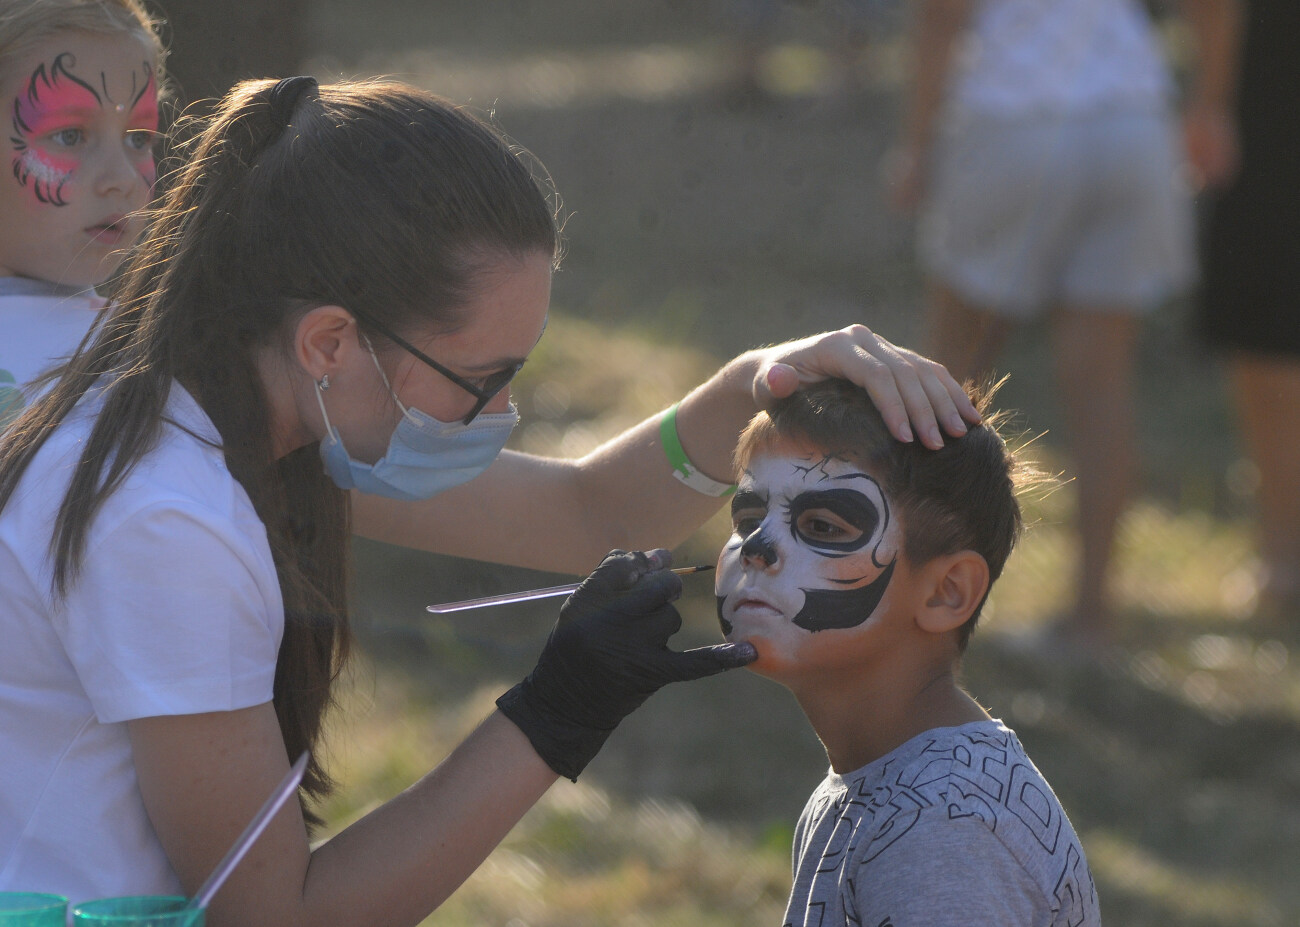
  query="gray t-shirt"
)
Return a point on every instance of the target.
[{"x": 956, "y": 826}]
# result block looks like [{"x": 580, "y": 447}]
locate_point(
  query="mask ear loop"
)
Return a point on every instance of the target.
[
  {"x": 383, "y": 376},
  {"x": 323, "y": 384}
]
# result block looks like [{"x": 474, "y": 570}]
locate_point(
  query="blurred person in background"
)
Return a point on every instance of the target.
[
  {"x": 1250, "y": 305},
  {"x": 1039, "y": 148}
]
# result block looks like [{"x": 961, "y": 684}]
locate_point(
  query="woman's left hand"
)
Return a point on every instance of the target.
[{"x": 914, "y": 394}]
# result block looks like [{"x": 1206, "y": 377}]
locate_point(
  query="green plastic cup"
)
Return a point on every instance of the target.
[
  {"x": 138, "y": 911},
  {"x": 32, "y": 909}
]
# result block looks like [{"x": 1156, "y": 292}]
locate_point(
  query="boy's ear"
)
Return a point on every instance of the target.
[{"x": 955, "y": 586}]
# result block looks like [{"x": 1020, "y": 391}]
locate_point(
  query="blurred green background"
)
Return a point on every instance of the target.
[{"x": 699, "y": 225}]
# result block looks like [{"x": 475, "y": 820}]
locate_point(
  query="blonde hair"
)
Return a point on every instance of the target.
[{"x": 26, "y": 23}]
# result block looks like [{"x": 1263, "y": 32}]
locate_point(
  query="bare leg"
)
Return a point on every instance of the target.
[
  {"x": 963, "y": 338},
  {"x": 1267, "y": 393},
  {"x": 1094, "y": 369}
]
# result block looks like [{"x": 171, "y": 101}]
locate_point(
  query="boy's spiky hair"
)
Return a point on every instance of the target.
[{"x": 961, "y": 497}]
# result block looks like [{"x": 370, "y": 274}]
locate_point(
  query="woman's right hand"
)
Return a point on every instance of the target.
[{"x": 606, "y": 655}]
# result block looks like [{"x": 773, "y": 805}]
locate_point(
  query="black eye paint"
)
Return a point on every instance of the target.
[
  {"x": 849, "y": 504},
  {"x": 824, "y": 609},
  {"x": 747, "y": 499},
  {"x": 748, "y": 509}
]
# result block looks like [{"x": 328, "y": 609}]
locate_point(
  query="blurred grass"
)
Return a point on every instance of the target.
[{"x": 698, "y": 228}]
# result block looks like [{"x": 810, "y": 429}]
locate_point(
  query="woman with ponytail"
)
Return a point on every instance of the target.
[{"x": 333, "y": 295}]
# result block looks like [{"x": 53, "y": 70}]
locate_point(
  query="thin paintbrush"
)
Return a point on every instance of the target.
[{"x": 529, "y": 594}]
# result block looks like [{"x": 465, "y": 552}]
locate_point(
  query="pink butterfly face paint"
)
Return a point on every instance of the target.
[
  {"x": 83, "y": 115},
  {"x": 142, "y": 124},
  {"x": 60, "y": 119},
  {"x": 46, "y": 174},
  {"x": 813, "y": 549}
]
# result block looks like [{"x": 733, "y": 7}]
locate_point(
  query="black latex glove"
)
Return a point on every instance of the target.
[{"x": 606, "y": 655}]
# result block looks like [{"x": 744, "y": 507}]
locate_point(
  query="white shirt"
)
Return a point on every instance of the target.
[
  {"x": 176, "y": 610},
  {"x": 41, "y": 324},
  {"x": 1053, "y": 57}
]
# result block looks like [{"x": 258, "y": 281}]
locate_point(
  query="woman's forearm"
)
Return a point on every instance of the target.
[
  {"x": 564, "y": 515},
  {"x": 203, "y": 776},
  {"x": 406, "y": 857}
]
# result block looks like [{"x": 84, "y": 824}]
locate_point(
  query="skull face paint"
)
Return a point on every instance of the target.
[
  {"x": 813, "y": 549},
  {"x": 49, "y": 118}
]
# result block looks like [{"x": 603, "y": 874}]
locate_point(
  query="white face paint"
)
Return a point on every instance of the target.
[{"x": 812, "y": 552}]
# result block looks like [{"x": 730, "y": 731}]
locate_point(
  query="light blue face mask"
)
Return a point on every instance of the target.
[{"x": 425, "y": 456}]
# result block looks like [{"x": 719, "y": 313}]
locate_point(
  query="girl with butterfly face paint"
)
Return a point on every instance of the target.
[
  {"x": 83, "y": 114},
  {"x": 79, "y": 86}
]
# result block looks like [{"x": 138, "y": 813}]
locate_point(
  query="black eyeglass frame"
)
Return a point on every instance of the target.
[{"x": 492, "y": 385}]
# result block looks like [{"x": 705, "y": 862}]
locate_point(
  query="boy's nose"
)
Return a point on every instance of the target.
[{"x": 758, "y": 549}]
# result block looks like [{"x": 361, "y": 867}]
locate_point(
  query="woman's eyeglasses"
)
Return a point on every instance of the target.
[{"x": 492, "y": 384}]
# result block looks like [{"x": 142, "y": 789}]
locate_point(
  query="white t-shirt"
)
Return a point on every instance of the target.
[
  {"x": 1023, "y": 58},
  {"x": 177, "y": 610},
  {"x": 41, "y": 324}
]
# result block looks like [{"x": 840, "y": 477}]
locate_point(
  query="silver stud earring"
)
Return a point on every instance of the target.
[{"x": 324, "y": 382}]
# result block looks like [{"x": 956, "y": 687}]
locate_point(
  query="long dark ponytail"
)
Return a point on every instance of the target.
[{"x": 369, "y": 195}]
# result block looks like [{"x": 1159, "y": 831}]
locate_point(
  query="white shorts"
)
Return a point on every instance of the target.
[{"x": 1089, "y": 211}]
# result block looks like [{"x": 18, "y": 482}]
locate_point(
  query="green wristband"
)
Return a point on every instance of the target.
[{"x": 683, "y": 469}]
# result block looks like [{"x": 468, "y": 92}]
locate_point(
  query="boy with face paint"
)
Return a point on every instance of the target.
[
  {"x": 79, "y": 80},
  {"x": 857, "y": 568}
]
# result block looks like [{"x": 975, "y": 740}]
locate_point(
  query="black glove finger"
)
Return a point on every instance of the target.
[
  {"x": 653, "y": 593},
  {"x": 621, "y": 588},
  {"x": 621, "y": 569},
  {"x": 706, "y": 661}
]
